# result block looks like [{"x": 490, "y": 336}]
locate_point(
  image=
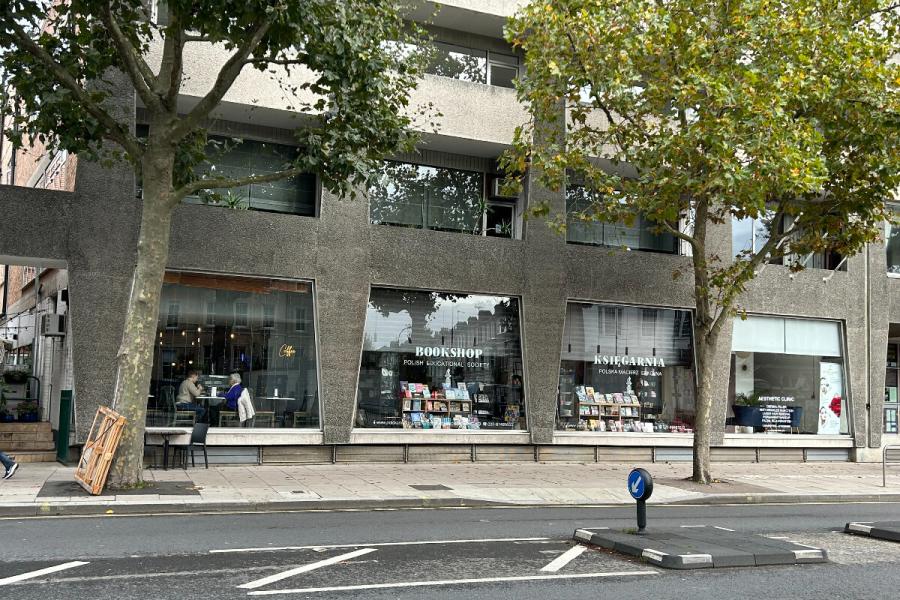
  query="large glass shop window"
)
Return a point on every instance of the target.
[
  {"x": 440, "y": 360},
  {"x": 211, "y": 327},
  {"x": 787, "y": 376},
  {"x": 626, "y": 369}
]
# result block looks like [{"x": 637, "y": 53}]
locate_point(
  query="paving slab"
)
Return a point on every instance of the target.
[
  {"x": 702, "y": 547},
  {"x": 882, "y": 530}
]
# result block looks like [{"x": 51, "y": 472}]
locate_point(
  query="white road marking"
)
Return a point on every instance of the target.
[
  {"x": 563, "y": 559},
  {"x": 723, "y": 528},
  {"x": 305, "y": 569},
  {"x": 377, "y": 545},
  {"x": 40, "y": 572},
  {"x": 409, "y": 584}
]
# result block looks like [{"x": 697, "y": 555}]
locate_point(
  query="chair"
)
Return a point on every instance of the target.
[
  {"x": 300, "y": 418},
  {"x": 198, "y": 438},
  {"x": 228, "y": 418},
  {"x": 264, "y": 418}
]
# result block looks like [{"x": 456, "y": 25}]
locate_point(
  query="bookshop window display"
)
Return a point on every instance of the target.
[
  {"x": 212, "y": 326},
  {"x": 626, "y": 369},
  {"x": 787, "y": 376},
  {"x": 440, "y": 360}
]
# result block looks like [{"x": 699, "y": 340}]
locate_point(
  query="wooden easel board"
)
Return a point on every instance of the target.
[{"x": 99, "y": 449}]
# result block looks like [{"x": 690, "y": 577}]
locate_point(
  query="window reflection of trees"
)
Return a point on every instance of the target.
[
  {"x": 450, "y": 61},
  {"x": 428, "y": 197}
]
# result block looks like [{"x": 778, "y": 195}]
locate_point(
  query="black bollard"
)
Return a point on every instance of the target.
[
  {"x": 640, "y": 486},
  {"x": 641, "y": 515}
]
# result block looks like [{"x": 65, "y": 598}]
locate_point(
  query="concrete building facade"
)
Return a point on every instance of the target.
[{"x": 342, "y": 258}]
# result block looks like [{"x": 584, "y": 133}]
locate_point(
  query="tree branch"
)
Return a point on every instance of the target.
[
  {"x": 229, "y": 72},
  {"x": 116, "y": 131},
  {"x": 137, "y": 69},
  {"x": 193, "y": 187},
  {"x": 171, "y": 69}
]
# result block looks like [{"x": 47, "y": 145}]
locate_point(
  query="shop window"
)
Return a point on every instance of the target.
[
  {"x": 626, "y": 369},
  {"x": 892, "y": 245},
  {"x": 641, "y": 234},
  {"x": 787, "y": 376},
  {"x": 890, "y": 419},
  {"x": 892, "y": 379},
  {"x": 441, "y": 360},
  {"x": 277, "y": 362},
  {"x": 438, "y": 198}
]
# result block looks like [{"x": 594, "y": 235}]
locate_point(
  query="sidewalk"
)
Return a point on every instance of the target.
[{"x": 48, "y": 489}]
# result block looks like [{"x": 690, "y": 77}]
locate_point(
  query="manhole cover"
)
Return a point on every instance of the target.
[{"x": 430, "y": 487}]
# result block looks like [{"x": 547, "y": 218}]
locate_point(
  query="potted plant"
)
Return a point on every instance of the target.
[
  {"x": 27, "y": 411},
  {"x": 15, "y": 376},
  {"x": 746, "y": 410},
  {"x": 5, "y": 415}
]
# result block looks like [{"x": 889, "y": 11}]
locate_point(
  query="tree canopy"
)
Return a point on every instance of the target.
[
  {"x": 60, "y": 55},
  {"x": 692, "y": 113}
]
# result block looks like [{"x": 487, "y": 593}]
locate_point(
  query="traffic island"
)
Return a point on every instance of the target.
[
  {"x": 702, "y": 547},
  {"x": 882, "y": 530}
]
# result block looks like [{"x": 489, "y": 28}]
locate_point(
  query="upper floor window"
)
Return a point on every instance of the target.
[
  {"x": 226, "y": 157},
  {"x": 438, "y": 198},
  {"x": 463, "y": 63},
  {"x": 749, "y": 236},
  {"x": 642, "y": 234},
  {"x": 296, "y": 195},
  {"x": 477, "y": 66}
]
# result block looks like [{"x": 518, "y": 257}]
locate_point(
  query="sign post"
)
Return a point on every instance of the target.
[{"x": 640, "y": 486}]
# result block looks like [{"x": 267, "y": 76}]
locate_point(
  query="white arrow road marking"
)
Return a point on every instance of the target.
[
  {"x": 563, "y": 559},
  {"x": 304, "y": 569},
  {"x": 409, "y": 584},
  {"x": 38, "y": 573}
]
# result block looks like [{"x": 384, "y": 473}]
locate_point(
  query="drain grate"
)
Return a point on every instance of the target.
[{"x": 430, "y": 487}]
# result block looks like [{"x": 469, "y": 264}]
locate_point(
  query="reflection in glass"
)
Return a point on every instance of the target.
[
  {"x": 892, "y": 244},
  {"x": 438, "y": 360},
  {"x": 243, "y": 325},
  {"x": 641, "y": 234},
  {"x": 225, "y": 158},
  {"x": 626, "y": 369},
  {"x": 787, "y": 376},
  {"x": 428, "y": 197},
  {"x": 448, "y": 60}
]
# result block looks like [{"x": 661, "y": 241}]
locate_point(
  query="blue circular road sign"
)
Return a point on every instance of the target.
[{"x": 640, "y": 484}]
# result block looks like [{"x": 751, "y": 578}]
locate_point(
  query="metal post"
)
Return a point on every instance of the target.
[
  {"x": 641, "y": 515},
  {"x": 65, "y": 422}
]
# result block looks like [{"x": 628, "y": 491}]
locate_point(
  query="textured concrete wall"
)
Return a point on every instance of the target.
[{"x": 94, "y": 231}]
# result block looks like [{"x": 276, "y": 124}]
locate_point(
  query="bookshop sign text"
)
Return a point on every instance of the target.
[
  {"x": 440, "y": 352},
  {"x": 628, "y": 361}
]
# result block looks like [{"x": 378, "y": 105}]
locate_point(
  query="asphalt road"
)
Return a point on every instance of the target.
[{"x": 411, "y": 554}]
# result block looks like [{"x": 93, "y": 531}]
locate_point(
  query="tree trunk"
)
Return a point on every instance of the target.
[
  {"x": 706, "y": 346},
  {"x": 135, "y": 358}
]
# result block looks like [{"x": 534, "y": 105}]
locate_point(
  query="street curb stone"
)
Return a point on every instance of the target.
[{"x": 57, "y": 508}]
